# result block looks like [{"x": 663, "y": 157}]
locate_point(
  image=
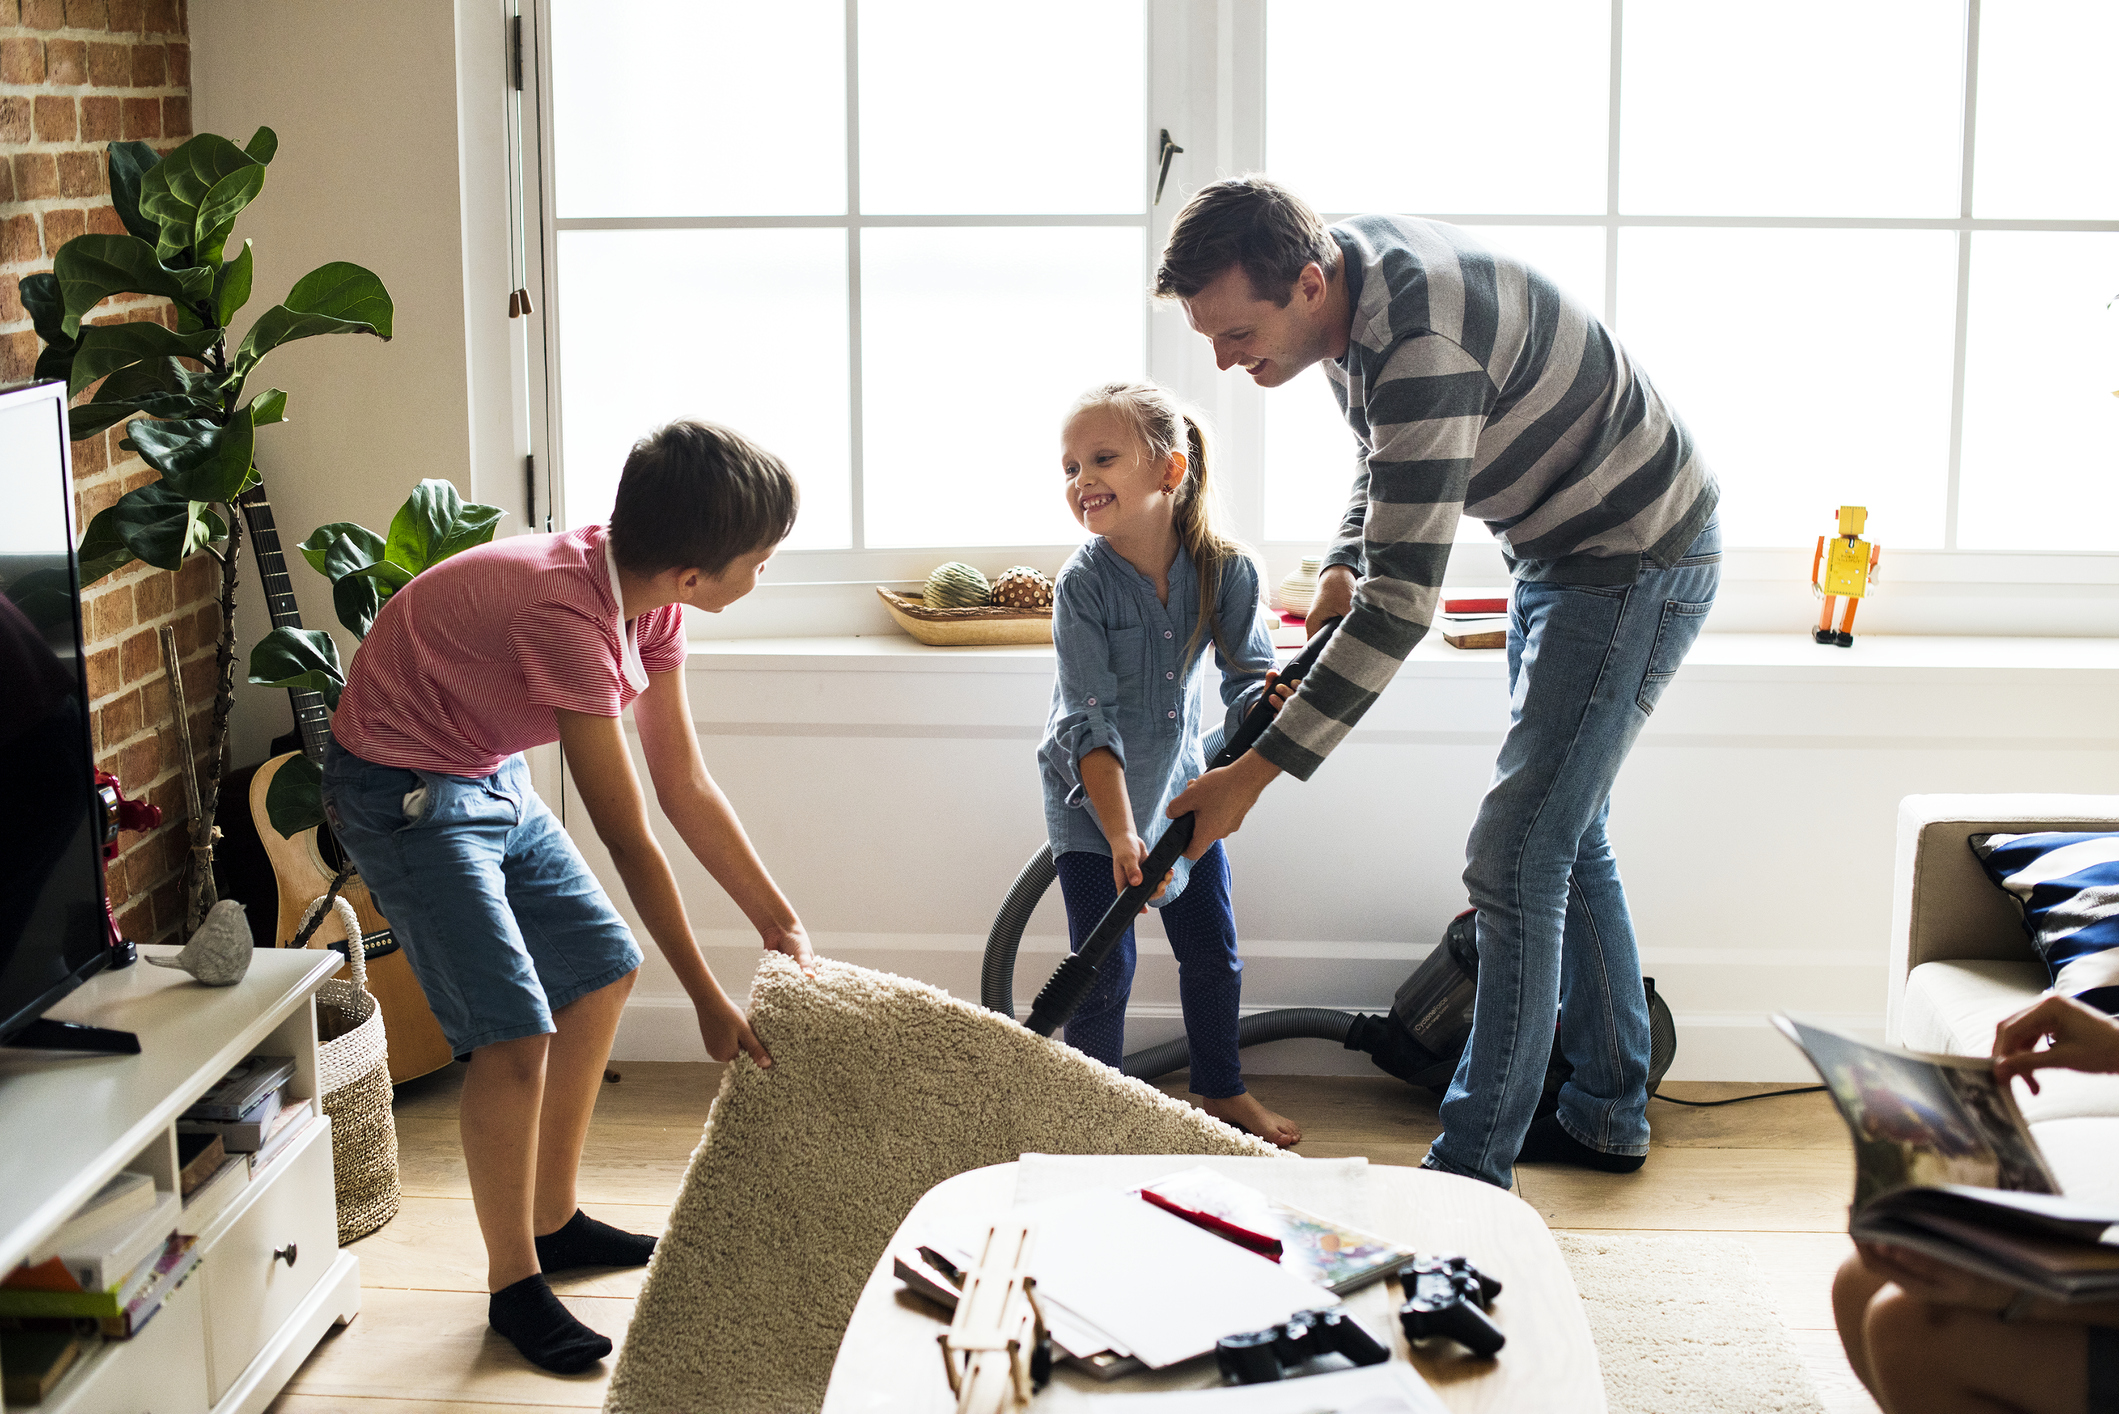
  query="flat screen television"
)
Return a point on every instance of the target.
[{"x": 53, "y": 933}]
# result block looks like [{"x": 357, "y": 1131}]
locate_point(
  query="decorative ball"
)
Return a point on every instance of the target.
[
  {"x": 956, "y": 586},
  {"x": 1022, "y": 587}
]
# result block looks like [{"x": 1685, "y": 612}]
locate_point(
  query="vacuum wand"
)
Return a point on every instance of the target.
[{"x": 1070, "y": 983}]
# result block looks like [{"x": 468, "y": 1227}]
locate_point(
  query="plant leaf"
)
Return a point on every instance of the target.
[
  {"x": 294, "y": 802},
  {"x": 93, "y": 267},
  {"x": 155, "y": 524},
  {"x": 358, "y": 599},
  {"x": 304, "y": 658},
  {"x": 435, "y": 523},
  {"x": 231, "y": 288},
  {"x": 317, "y": 548},
  {"x": 103, "y": 551},
  {"x": 106, "y": 348},
  {"x": 262, "y": 145},
  {"x": 392, "y": 577},
  {"x": 268, "y": 407},
  {"x": 197, "y": 458},
  {"x": 339, "y": 298},
  {"x": 158, "y": 387},
  {"x": 174, "y": 189},
  {"x": 223, "y": 202},
  {"x": 47, "y": 310},
  {"x": 129, "y": 162}
]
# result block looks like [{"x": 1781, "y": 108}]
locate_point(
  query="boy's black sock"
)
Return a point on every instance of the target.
[
  {"x": 1548, "y": 1143},
  {"x": 585, "y": 1242},
  {"x": 546, "y": 1333}
]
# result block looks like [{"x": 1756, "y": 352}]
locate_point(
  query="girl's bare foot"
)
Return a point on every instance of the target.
[{"x": 1247, "y": 1114}]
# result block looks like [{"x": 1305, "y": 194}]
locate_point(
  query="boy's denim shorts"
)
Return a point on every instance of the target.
[{"x": 501, "y": 920}]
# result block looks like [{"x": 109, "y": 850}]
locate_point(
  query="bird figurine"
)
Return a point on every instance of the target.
[{"x": 219, "y": 953}]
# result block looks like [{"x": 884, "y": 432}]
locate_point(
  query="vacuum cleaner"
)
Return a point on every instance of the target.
[{"x": 1419, "y": 1040}]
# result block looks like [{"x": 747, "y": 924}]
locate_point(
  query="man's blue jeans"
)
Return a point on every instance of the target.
[{"x": 1585, "y": 667}]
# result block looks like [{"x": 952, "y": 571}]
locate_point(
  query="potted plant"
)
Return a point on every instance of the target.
[{"x": 183, "y": 387}]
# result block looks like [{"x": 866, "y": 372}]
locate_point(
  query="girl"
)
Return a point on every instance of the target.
[{"x": 1133, "y": 613}]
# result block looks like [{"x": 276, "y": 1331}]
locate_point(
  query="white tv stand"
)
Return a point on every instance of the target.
[{"x": 272, "y": 1279}]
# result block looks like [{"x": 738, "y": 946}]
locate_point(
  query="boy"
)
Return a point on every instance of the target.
[{"x": 501, "y": 648}]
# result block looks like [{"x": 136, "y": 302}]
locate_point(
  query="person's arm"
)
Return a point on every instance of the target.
[
  {"x": 1426, "y": 410},
  {"x": 706, "y": 822},
  {"x": 1104, "y": 781},
  {"x": 2055, "y": 1031},
  {"x": 603, "y": 774}
]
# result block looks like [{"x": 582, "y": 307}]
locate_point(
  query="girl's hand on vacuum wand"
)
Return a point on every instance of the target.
[
  {"x": 791, "y": 939},
  {"x": 727, "y": 1033},
  {"x": 1128, "y": 852}
]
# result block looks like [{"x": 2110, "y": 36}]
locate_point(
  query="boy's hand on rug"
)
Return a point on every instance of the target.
[
  {"x": 793, "y": 941},
  {"x": 2080, "y": 1037},
  {"x": 727, "y": 1033}
]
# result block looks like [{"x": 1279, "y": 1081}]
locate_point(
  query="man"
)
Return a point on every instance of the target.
[{"x": 1474, "y": 387}]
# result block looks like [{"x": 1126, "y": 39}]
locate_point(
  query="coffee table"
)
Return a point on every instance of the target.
[{"x": 888, "y": 1361}]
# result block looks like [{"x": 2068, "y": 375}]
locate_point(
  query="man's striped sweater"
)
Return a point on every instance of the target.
[{"x": 1474, "y": 387}]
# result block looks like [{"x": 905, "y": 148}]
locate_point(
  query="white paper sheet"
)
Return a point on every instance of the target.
[{"x": 1166, "y": 1289}]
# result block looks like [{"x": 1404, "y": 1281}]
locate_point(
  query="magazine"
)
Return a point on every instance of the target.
[
  {"x": 1944, "y": 1164},
  {"x": 1324, "y": 1250}
]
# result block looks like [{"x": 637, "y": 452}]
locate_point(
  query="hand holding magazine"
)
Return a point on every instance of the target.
[{"x": 1945, "y": 1165}]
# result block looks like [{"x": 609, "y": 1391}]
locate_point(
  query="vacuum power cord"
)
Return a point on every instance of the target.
[
  {"x": 1737, "y": 1099},
  {"x": 1069, "y": 984}
]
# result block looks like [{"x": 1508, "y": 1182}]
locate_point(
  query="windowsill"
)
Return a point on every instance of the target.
[{"x": 1719, "y": 655}]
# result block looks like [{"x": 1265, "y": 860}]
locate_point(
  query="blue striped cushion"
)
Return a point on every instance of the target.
[{"x": 2067, "y": 886}]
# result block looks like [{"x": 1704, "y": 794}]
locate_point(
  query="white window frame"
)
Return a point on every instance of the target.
[{"x": 1207, "y": 85}]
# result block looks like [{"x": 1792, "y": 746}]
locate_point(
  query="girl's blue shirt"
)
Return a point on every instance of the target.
[{"x": 1124, "y": 683}]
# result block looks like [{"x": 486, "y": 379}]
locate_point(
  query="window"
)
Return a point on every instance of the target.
[
  {"x": 1831, "y": 230},
  {"x": 888, "y": 239},
  {"x": 892, "y": 239}
]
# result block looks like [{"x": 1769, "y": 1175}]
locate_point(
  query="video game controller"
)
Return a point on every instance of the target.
[
  {"x": 1261, "y": 1357},
  {"x": 1448, "y": 1296}
]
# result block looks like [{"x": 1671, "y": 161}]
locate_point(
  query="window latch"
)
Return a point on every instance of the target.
[{"x": 1167, "y": 151}]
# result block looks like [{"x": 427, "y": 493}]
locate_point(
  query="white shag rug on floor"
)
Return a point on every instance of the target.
[
  {"x": 880, "y": 1088},
  {"x": 1682, "y": 1328}
]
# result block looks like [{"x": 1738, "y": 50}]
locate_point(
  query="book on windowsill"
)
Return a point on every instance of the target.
[
  {"x": 1945, "y": 1165},
  {"x": 1475, "y": 601},
  {"x": 1473, "y": 630},
  {"x": 1318, "y": 1249}
]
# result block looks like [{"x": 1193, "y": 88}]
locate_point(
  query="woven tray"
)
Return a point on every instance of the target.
[{"x": 959, "y": 628}]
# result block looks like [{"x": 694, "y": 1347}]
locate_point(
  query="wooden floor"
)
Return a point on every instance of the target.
[{"x": 1775, "y": 1175}]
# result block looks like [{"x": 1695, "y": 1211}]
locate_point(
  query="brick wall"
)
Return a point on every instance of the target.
[{"x": 74, "y": 76}]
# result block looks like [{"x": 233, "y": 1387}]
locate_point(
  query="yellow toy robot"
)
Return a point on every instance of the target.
[{"x": 1849, "y": 564}]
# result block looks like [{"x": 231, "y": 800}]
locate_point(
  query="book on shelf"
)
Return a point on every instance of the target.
[
  {"x": 177, "y": 1262},
  {"x": 211, "y": 1198},
  {"x": 242, "y": 1088},
  {"x": 126, "y": 1195},
  {"x": 125, "y": 1296},
  {"x": 244, "y": 1133},
  {"x": 1945, "y": 1165},
  {"x": 286, "y": 1128},
  {"x": 199, "y": 1157},
  {"x": 35, "y": 1362},
  {"x": 1319, "y": 1249},
  {"x": 100, "y": 1259}
]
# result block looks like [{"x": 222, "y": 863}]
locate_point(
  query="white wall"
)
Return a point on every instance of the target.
[
  {"x": 893, "y": 791},
  {"x": 378, "y": 164}
]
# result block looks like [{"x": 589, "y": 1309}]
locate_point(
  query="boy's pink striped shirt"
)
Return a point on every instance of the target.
[{"x": 466, "y": 664}]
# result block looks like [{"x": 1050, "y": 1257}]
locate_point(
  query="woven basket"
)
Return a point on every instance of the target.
[
  {"x": 959, "y": 628},
  {"x": 353, "y": 1076}
]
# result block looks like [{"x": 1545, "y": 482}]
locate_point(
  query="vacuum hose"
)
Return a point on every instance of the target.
[{"x": 997, "y": 984}]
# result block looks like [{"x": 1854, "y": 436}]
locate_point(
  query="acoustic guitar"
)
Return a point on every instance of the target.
[{"x": 305, "y": 865}]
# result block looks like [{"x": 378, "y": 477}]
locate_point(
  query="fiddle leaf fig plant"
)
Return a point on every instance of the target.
[
  {"x": 182, "y": 387},
  {"x": 365, "y": 569}
]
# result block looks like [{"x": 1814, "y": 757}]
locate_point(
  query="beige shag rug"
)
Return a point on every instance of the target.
[
  {"x": 1681, "y": 1327},
  {"x": 880, "y": 1088}
]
